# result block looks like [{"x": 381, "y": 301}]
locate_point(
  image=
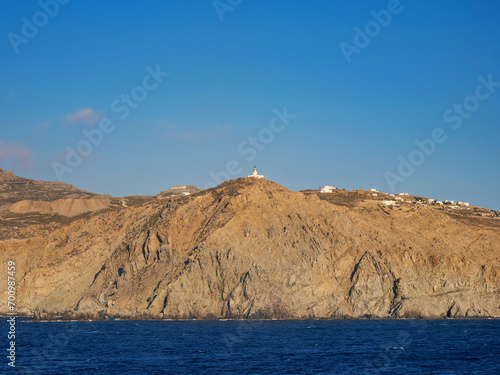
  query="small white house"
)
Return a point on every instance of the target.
[
  {"x": 373, "y": 190},
  {"x": 389, "y": 203},
  {"x": 403, "y": 194},
  {"x": 327, "y": 189},
  {"x": 466, "y": 204},
  {"x": 439, "y": 203}
]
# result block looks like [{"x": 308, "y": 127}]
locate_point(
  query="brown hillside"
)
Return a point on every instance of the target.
[{"x": 30, "y": 208}]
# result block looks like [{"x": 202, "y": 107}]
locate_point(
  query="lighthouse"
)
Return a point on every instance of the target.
[{"x": 255, "y": 174}]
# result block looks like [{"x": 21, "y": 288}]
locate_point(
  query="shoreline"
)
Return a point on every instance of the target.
[{"x": 30, "y": 319}]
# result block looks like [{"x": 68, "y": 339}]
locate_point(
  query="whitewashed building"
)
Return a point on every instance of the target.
[
  {"x": 327, "y": 189},
  {"x": 389, "y": 203}
]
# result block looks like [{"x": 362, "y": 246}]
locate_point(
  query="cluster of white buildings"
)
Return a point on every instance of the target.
[
  {"x": 447, "y": 202},
  {"x": 434, "y": 201},
  {"x": 400, "y": 197}
]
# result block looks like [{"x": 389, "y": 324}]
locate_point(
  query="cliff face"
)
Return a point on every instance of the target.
[{"x": 252, "y": 249}]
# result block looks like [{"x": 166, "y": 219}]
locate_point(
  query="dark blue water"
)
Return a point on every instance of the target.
[{"x": 257, "y": 347}]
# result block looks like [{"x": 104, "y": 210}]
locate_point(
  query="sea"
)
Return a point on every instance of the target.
[{"x": 255, "y": 347}]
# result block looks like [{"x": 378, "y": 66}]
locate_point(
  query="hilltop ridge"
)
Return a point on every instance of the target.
[{"x": 30, "y": 208}]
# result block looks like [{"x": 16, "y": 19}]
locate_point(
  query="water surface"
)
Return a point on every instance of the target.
[{"x": 258, "y": 347}]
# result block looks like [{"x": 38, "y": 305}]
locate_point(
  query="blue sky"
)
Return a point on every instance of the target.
[{"x": 232, "y": 67}]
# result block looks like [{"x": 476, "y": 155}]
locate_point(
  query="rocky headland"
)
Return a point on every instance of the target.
[{"x": 248, "y": 248}]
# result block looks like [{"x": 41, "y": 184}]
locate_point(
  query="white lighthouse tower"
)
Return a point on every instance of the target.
[{"x": 255, "y": 174}]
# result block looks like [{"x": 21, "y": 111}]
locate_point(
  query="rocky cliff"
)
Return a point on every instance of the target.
[{"x": 252, "y": 249}]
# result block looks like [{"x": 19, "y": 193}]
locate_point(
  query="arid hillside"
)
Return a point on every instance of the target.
[
  {"x": 250, "y": 248},
  {"x": 30, "y": 208}
]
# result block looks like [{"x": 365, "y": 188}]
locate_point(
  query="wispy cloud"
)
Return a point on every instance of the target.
[
  {"x": 16, "y": 154},
  {"x": 43, "y": 126},
  {"x": 217, "y": 132},
  {"x": 59, "y": 155},
  {"x": 62, "y": 156},
  {"x": 85, "y": 116},
  {"x": 172, "y": 132}
]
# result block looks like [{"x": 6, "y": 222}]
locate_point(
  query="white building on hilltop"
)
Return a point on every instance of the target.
[
  {"x": 255, "y": 174},
  {"x": 328, "y": 189}
]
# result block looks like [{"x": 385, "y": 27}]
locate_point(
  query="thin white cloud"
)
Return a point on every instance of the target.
[
  {"x": 86, "y": 116},
  {"x": 15, "y": 154}
]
